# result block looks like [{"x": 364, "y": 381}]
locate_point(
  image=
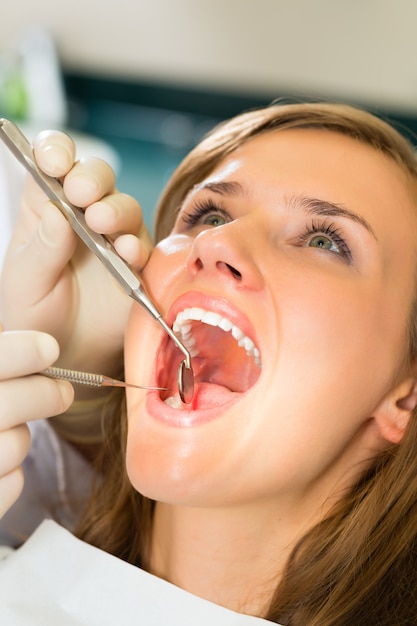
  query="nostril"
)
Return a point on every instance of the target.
[
  {"x": 235, "y": 273},
  {"x": 198, "y": 265}
]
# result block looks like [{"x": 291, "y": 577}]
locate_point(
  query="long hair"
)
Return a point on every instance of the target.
[{"x": 359, "y": 565}]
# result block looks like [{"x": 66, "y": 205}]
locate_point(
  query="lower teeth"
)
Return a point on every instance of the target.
[{"x": 174, "y": 402}]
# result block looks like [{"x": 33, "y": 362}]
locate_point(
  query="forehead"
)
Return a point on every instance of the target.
[
  {"x": 326, "y": 164},
  {"x": 308, "y": 148}
]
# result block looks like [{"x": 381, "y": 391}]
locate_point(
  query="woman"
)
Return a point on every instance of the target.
[{"x": 287, "y": 489}]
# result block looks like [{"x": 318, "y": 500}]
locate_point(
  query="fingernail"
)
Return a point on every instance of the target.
[
  {"x": 67, "y": 392},
  {"x": 82, "y": 189},
  {"x": 56, "y": 160},
  {"x": 50, "y": 226},
  {"x": 48, "y": 347},
  {"x": 46, "y": 233}
]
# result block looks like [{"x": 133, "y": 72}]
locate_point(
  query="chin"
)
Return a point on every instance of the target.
[{"x": 181, "y": 463}]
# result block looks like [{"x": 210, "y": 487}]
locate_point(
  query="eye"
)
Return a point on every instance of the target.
[
  {"x": 214, "y": 220},
  {"x": 205, "y": 213},
  {"x": 320, "y": 241},
  {"x": 327, "y": 237}
]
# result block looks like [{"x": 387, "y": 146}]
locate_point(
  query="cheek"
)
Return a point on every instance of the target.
[
  {"x": 168, "y": 260},
  {"x": 161, "y": 278},
  {"x": 334, "y": 333},
  {"x": 137, "y": 346}
]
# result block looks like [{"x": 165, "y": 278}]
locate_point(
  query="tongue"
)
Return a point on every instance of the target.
[
  {"x": 209, "y": 396},
  {"x": 206, "y": 396}
]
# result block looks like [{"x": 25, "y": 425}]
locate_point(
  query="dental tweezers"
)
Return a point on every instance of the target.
[{"x": 98, "y": 244}]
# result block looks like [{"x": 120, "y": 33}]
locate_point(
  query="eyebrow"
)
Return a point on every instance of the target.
[
  {"x": 224, "y": 188},
  {"x": 312, "y": 206},
  {"x": 317, "y": 206}
]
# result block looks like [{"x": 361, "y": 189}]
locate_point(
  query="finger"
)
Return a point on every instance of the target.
[
  {"x": 116, "y": 213},
  {"x": 14, "y": 446},
  {"x": 35, "y": 267},
  {"x": 134, "y": 251},
  {"x": 89, "y": 180},
  {"x": 54, "y": 152},
  {"x": 31, "y": 398},
  {"x": 11, "y": 486},
  {"x": 26, "y": 352},
  {"x": 32, "y": 206}
]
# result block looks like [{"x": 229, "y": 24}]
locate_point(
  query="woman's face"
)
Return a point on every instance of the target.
[{"x": 301, "y": 246}]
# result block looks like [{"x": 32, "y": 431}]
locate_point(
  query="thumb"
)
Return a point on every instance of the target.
[
  {"x": 33, "y": 269},
  {"x": 54, "y": 235}
]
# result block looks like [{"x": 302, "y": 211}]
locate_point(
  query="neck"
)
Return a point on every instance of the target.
[
  {"x": 235, "y": 555},
  {"x": 231, "y": 557}
]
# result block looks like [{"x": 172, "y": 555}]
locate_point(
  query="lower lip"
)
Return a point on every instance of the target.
[{"x": 190, "y": 415}]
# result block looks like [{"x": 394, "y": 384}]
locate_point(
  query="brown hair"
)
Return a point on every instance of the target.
[{"x": 359, "y": 565}]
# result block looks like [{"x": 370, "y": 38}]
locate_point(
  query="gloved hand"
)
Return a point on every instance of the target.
[
  {"x": 51, "y": 282},
  {"x": 23, "y": 395}
]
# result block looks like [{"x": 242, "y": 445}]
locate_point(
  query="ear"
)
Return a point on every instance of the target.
[{"x": 394, "y": 412}]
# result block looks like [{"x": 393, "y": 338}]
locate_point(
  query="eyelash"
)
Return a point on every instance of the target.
[
  {"x": 205, "y": 207},
  {"x": 333, "y": 233}
]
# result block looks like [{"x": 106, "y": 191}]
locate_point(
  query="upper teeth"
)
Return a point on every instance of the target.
[{"x": 182, "y": 327}]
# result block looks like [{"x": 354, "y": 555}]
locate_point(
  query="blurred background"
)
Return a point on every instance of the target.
[{"x": 139, "y": 82}]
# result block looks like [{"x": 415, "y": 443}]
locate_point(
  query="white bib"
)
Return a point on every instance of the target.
[{"x": 55, "y": 578}]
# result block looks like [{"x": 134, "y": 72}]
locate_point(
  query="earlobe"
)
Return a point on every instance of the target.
[{"x": 394, "y": 412}]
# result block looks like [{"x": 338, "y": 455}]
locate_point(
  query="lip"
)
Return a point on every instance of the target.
[
  {"x": 187, "y": 417},
  {"x": 190, "y": 416}
]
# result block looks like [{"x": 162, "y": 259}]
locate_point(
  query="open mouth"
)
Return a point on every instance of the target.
[{"x": 225, "y": 360}]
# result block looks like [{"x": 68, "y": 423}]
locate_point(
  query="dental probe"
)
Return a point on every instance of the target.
[
  {"x": 91, "y": 380},
  {"x": 98, "y": 244}
]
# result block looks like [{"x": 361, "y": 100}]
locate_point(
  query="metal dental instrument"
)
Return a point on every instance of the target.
[
  {"x": 91, "y": 380},
  {"x": 98, "y": 244}
]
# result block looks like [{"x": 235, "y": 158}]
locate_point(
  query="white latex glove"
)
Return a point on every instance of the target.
[
  {"x": 24, "y": 396},
  {"x": 51, "y": 282}
]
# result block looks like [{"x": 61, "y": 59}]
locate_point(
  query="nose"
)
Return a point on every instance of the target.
[{"x": 225, "y": 254}]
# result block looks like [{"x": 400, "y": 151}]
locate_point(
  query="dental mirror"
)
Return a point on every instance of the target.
[{"x": 185, "y": 382}]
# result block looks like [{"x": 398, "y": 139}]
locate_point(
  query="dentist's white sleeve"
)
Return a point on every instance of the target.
[{"x": 57, "y": 484}]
